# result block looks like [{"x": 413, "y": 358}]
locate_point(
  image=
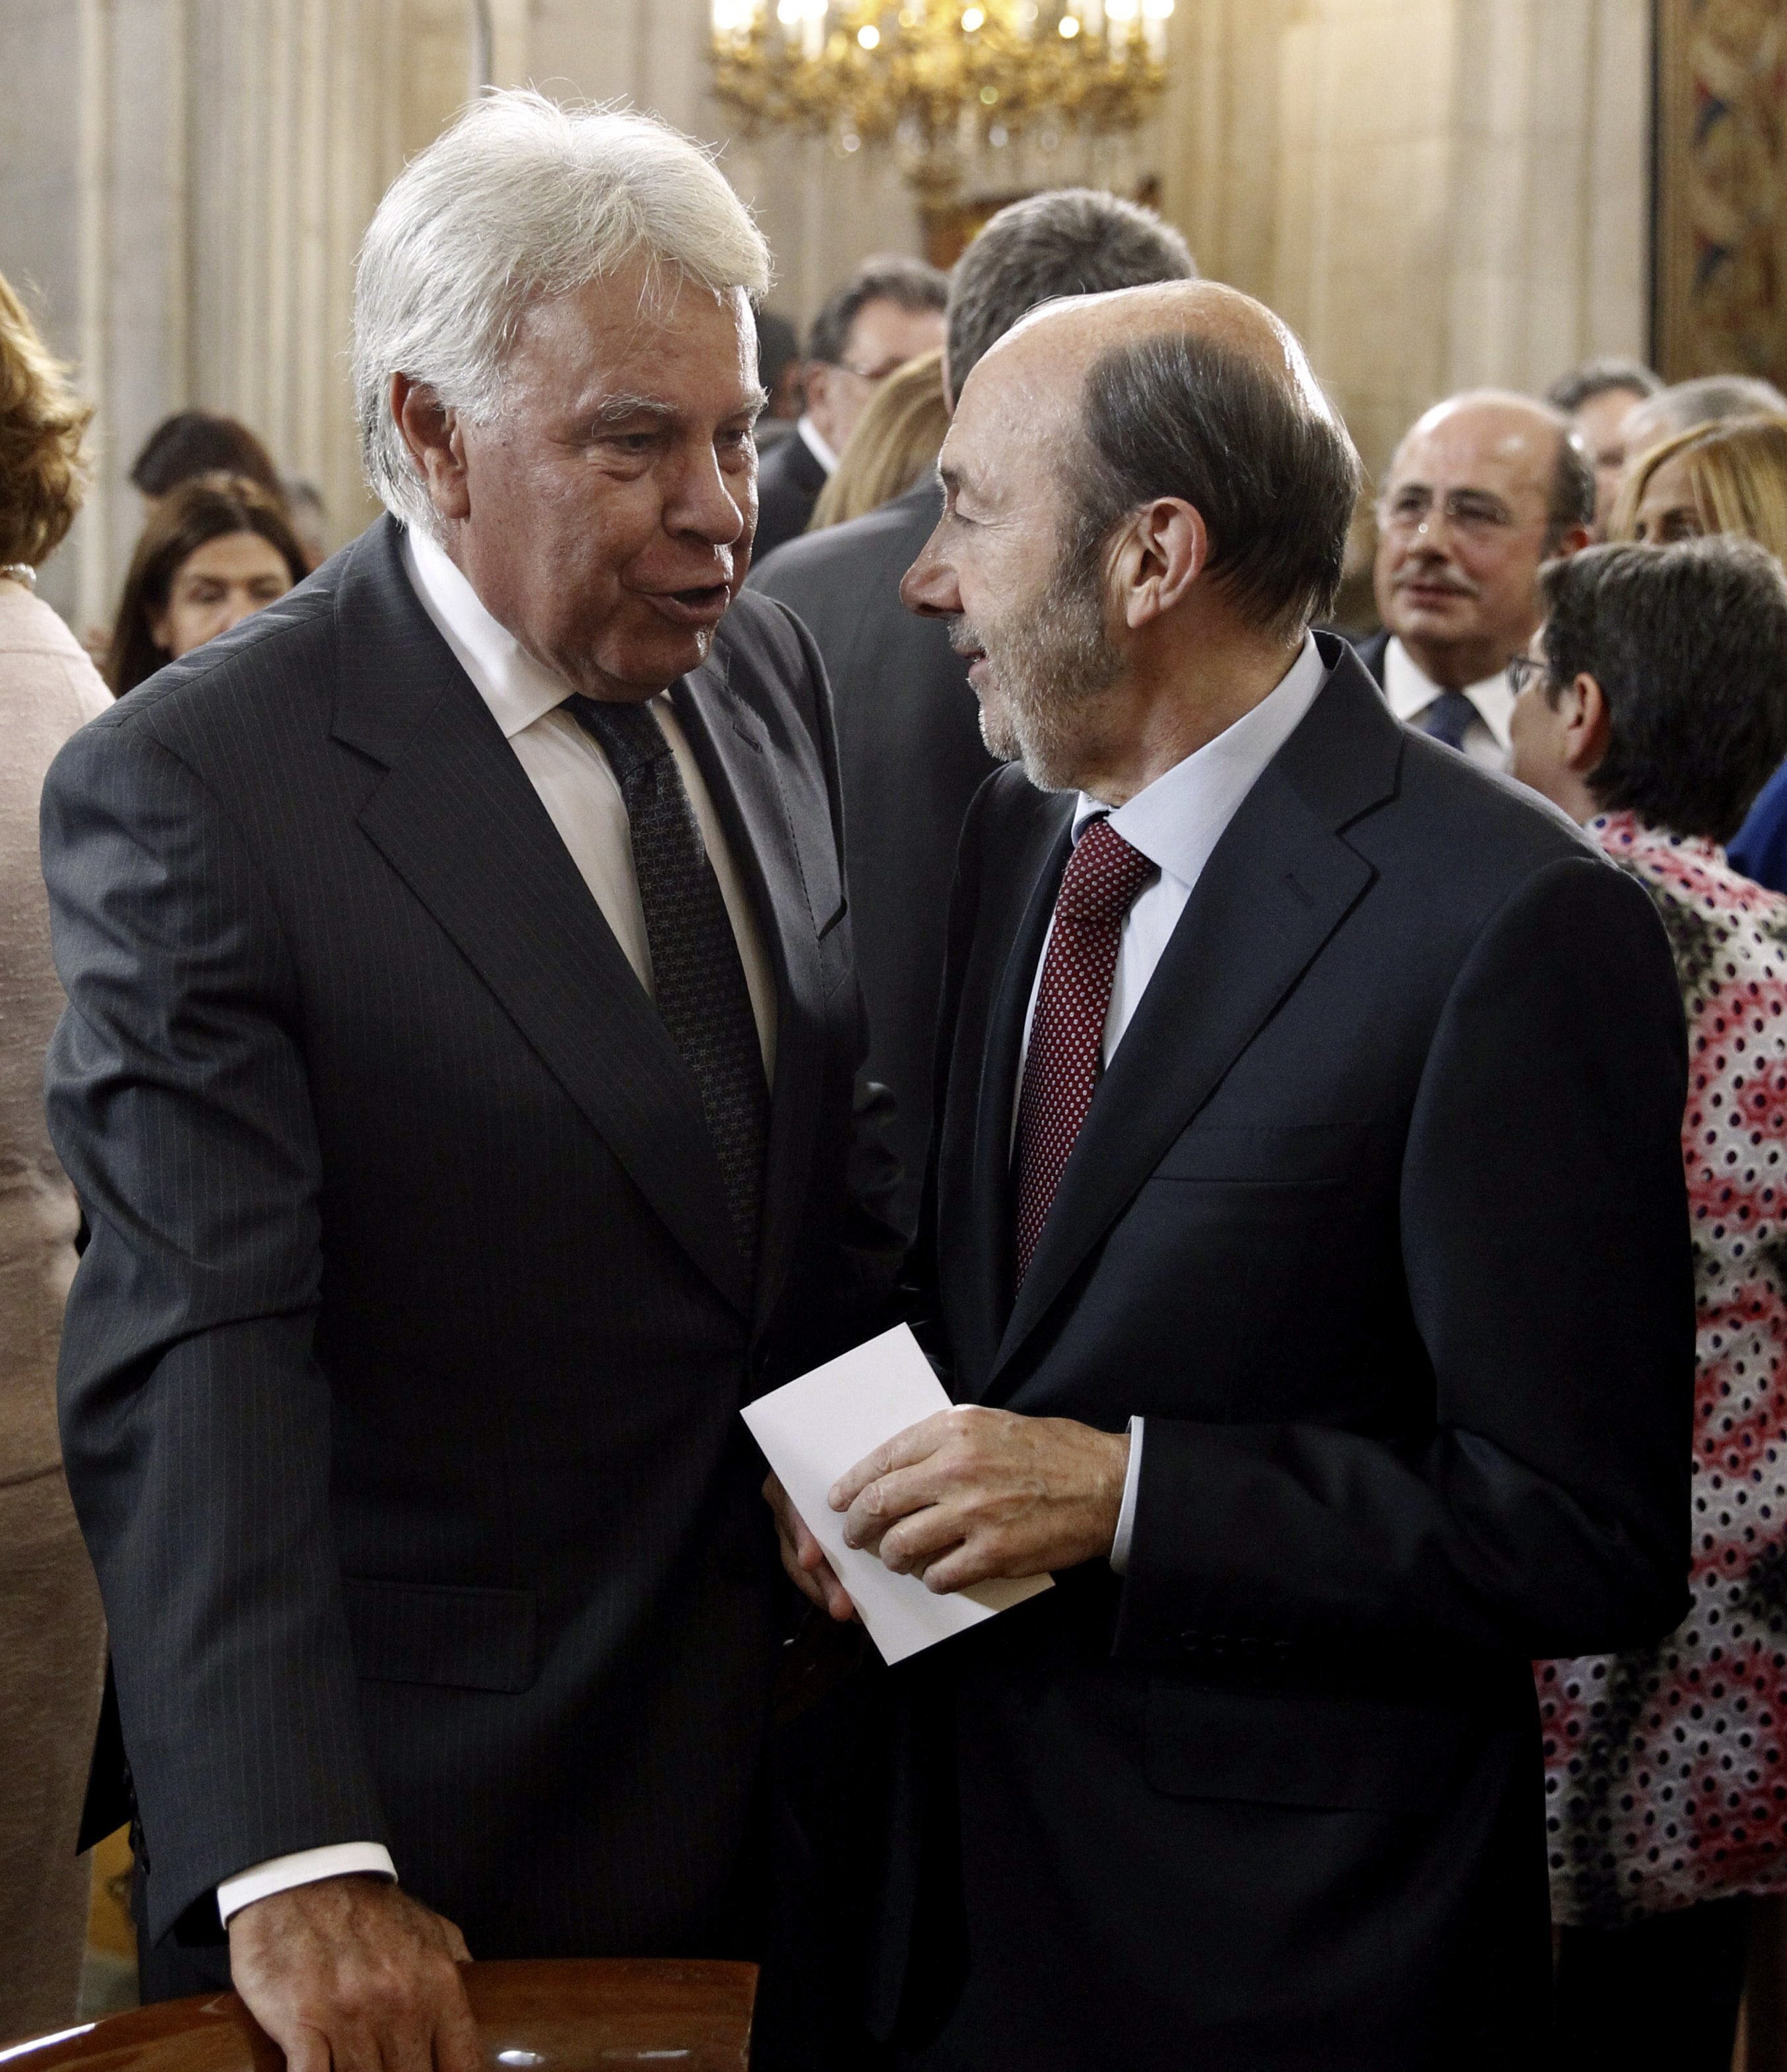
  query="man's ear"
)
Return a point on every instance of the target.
[
  {"x": 1571, "y": 540},
  {"x": 431, "y": 432},
  {"x": 1162, "y": 553},
  {"x": 1587, "y": 725}
]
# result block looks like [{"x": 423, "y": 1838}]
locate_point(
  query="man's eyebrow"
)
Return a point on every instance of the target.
[{"x": 618, "y": 409}]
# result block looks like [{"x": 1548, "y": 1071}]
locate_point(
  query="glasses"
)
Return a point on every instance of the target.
[
  {"x": 1470, "y": 511},
  {"x": 871, "y": 374},
  {"x": 1523, "y": 671}
]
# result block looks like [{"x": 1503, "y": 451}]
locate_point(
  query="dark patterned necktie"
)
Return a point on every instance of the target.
[
  {"x": 698, "y": 978},
  {"x": 1066, "y": 1052},
  {"x": 1449, "y": 718}
]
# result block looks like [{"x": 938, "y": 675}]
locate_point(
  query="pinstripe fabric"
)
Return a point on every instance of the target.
[{"x": 400, "y": 1381}]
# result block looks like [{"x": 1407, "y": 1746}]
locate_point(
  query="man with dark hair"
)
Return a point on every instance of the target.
[
  {"x": 889, "y": 311},
  {"x": 1598, "y": 397},
  {"x": 1484, "y": 487},
  {"x": 1656, "y": 685},
  {"x": 1295, "y": 1080},
  {"x": 194, "y": 443},
  {"x": 911, "y": 754},
  {"x": 779, "y": 369}
]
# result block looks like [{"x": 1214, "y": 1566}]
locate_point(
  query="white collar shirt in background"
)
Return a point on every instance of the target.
[
  {"x": 1410, "y": 691},
  {"x": 572, "y": 777},
  {"x": 816, "y": 444},
  {"x": 1175, "y": 822}
]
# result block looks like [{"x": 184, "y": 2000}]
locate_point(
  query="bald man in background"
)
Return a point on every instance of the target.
[
  {"x": 1484, "y": 487},
  {"x": 1296, "y": 1077}
]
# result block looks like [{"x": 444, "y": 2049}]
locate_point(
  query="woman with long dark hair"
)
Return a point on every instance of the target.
[{"x": 215, "y": 551}]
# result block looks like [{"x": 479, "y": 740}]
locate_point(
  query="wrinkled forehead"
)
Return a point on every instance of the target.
[
  {"x": 1019, "y": 409},
  {"x": 638, "y": 326},
  {"x": 1502, "y": 451}
]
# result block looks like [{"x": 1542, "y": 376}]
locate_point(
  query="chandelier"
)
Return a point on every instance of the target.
[{"x": 939, "y": 79}]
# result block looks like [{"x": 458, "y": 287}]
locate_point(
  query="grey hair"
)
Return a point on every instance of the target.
[
  {"x": 1610, "y": 375},
  {"x": 522, "y": 200},
  {"x": 1710, "y": 399}
]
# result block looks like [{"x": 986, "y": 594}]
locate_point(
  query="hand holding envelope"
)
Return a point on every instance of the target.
[{"x": 933, "y": 1518}]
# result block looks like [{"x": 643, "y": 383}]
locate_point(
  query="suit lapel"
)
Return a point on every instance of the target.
[
  {"x": 729, "y": 743},
  {"x": 457, "y": 820},
  {"x": 1278, "y": 884}
]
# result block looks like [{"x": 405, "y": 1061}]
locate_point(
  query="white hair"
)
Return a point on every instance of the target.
[{"x": 523, "y": 199}]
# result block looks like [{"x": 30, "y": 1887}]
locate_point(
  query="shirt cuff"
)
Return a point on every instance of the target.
[
  {"x": 282, "y": 1873},
  {"x": 1126, "y": 1517}
]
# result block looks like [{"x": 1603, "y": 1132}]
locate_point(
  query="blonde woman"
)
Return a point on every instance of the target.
[
  {"x": 895, "y": 441},
  {"x": 51, "y": 1638},
  {"x": 1730, "y": 477},
  {"x": 1727, "y": 477}
]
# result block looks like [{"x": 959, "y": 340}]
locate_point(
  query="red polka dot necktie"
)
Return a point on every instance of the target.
[{"x": 1066, "y": 1055}]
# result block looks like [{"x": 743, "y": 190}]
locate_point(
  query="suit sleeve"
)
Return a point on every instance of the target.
[
  {"x": 196, "y": 1418},
  {"x": 1545, "y": 1244}
]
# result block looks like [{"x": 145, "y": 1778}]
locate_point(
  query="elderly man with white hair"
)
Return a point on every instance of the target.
[{"x": 459, "y": 1079}]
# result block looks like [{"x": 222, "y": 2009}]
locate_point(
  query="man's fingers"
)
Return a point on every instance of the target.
[
  {"x": 457, "y": 2046},
  {"x": 306, "y": 2049},
  {"x": 455, "y": 1941},
  {"x": 917, "y": 1442},
  {"x": 922, "y": 1537},
  {"x": 883, "y": 1502}
]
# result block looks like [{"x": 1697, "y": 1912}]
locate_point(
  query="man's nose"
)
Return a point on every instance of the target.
[
  {"x": 929, "y": 586},
  {"x": 709, "y": 504}
]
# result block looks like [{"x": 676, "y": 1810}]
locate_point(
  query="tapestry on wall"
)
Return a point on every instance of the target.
[{"x": 1721, "y": 254}]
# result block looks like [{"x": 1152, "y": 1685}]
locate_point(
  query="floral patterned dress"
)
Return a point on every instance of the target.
[{"x": 1666, "y": 1768}]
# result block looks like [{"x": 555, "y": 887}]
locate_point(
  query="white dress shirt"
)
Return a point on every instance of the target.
[
  {"x": 1409, "y": 691},
  {"x": 1175, "y": 822},
  {"x": 816, "y": 443},
  {"x": 575, "y": 784}
]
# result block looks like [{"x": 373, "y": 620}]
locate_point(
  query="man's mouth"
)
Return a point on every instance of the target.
[
  {"x": 705, "y": 605},
  {"x": 1429, "y": 593}
]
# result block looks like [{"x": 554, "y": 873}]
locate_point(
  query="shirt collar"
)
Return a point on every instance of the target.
[
  {"x": 816, "y": 444},
  {"x": 1410, "y": 691},
  {"x": 518, "y": 689},
  {"x": 1176, "y": 821}
]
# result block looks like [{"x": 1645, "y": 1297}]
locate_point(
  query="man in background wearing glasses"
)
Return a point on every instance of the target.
[
  {"x": 889, "y": 311},
  {"x": 1482, "y": 489}
]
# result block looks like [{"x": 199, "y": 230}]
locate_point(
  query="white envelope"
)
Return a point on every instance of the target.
[{"x": 813, "y": 1429}]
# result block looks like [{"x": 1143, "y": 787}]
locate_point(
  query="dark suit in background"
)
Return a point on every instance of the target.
[
  {"x": 910, "y": 758},
  {"x": 401, "y": 1379},
  {"x": 1371, "y": 651},
  {"x": 789, "y": 478},
  {"x": 1378, "y": 1219}
]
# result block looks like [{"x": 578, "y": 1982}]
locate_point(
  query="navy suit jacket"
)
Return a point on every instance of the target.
[
  {"x": 789, "y": 479},
  {"x": 401, "y": 1379},
  {"x": 1379, "y": 1218}
]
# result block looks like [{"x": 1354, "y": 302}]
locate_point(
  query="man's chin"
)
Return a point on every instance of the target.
[{"x": 643, "y": 668}]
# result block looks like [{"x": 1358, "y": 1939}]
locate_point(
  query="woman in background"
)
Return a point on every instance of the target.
[
  {"x": 215, "y": 550},
  {"x": 1652, "y": 706},
  {"x": 894, "y": 442},
  {"x": 52, "y": 1642},
  {"x": 1722, "y": 478}
]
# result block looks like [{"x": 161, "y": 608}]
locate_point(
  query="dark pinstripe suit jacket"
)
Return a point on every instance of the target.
[{"x": 400, "y": 1380}]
